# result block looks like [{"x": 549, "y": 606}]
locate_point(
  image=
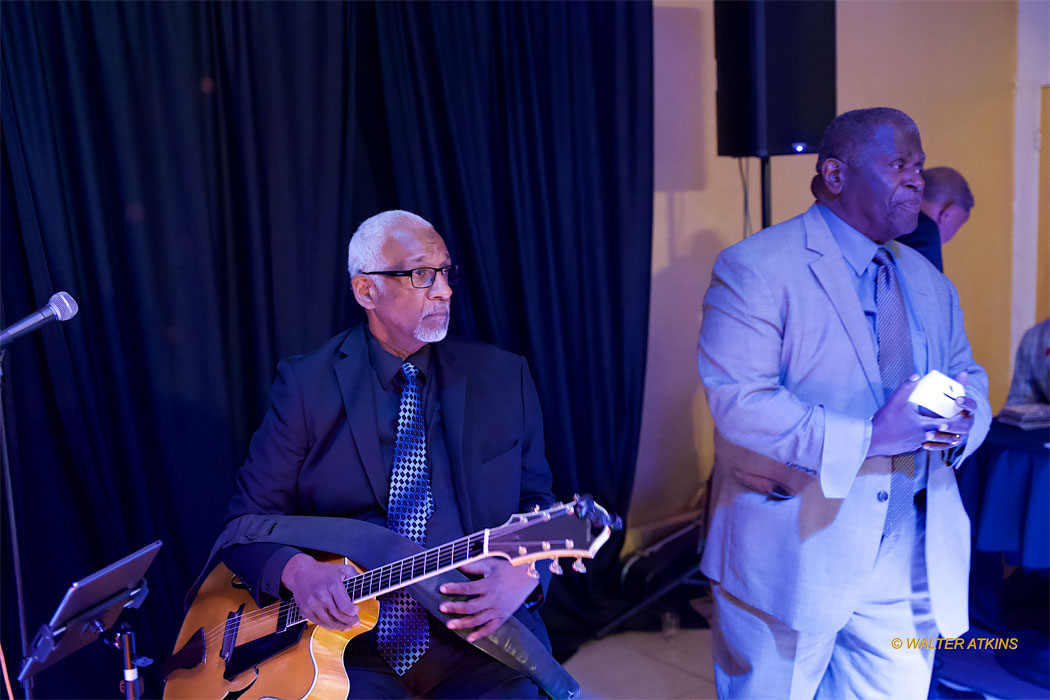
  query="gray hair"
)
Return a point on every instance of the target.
[
  {"x": 947, "y": 186},
  {"x": 848, "y": 133},
  {"x": 365, "y": 249}
]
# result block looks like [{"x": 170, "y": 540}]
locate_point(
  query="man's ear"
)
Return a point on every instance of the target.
[
  {"x": 833, "y": 171},
  {"x": 364, "y": 291},
  {"x": 941, "y": 211}
]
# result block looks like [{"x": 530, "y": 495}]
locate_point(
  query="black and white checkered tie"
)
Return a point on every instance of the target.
[
  {"x": 895, "y": 365},
  {"x": 402, "y": 627}
]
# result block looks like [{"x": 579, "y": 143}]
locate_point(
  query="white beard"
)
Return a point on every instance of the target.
[{"x": 426, "y": 334}]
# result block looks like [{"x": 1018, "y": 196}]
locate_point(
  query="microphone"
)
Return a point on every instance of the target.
[{"x": 60, "y": 307}]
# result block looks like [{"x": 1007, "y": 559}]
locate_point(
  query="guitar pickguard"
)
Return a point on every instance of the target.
[{"x": 259, "y": 650}]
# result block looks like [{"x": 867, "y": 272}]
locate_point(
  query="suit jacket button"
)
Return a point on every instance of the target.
[{"x": 882, "y": 496}]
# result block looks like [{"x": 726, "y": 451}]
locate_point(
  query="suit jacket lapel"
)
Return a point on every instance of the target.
[
  {"x": 354, "y": 374},
  {"x": 832, "y": 271},
  {"x": 452, "y": 383}
]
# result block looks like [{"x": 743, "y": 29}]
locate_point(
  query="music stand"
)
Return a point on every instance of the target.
[{"x": 90, "y": 607}]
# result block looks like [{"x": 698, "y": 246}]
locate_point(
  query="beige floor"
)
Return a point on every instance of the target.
[
  {"x": 646, "y": 665},
  {"x": 654, "y": 666}
]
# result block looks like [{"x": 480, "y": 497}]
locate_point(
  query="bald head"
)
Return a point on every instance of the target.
[
  {"x": 947, "y": 200},
  {"x": 947, "y": 186}
]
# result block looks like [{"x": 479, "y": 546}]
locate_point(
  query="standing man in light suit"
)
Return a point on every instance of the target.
[{"x": 836, "y": 525}]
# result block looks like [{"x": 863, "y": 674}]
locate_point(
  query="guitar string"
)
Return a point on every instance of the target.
[
  {"x": 372, "y": 580},
  {"x": 252, "y": 621}
]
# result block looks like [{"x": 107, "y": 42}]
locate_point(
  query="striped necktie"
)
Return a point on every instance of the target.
[
  {"x": 402, "y": 634},
  {"x": 895, "y": 365}
]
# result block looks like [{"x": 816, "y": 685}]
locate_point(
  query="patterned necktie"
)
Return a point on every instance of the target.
[
  {"x": 895, "y": 365},
  {"x": 402, "y": 631}
]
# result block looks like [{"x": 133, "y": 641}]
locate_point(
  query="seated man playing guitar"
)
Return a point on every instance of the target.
[{"x": 391, "y": 424}]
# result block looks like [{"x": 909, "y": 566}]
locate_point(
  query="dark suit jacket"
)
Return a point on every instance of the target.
[
  {"x": 926, "y": 238},
  {"x": 317, "y": 451}
]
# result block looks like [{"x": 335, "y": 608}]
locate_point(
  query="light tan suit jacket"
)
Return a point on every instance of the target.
[{"x": 792, "y": 379}]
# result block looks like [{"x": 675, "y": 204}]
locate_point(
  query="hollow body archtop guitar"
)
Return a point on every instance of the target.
[{"x": 230, "y": 647}]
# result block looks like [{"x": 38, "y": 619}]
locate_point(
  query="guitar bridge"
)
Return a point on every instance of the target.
[{"x": 229, "y": 634}]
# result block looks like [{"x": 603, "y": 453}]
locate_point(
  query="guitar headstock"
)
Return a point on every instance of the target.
[{"x": 576, "y": 529}]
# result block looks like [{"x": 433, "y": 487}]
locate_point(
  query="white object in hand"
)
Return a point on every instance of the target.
[{"x": 937, "y": 392}]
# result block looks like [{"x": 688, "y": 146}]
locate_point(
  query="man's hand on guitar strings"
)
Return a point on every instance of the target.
[
  {"x": 320, "y": 591},
  {"x": 500, "y": 591}
]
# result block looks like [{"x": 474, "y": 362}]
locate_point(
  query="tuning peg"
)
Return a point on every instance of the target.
[
  {"x": 531, "y": 571},
  {"x": 555, "y": 567},
  {"x": 578, "y": 566}
]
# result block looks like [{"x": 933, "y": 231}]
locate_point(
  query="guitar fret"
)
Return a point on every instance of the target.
[
  {"x": 386, "y": 577},
  {"x": 444, "y": 557},
  {"x": 513, "y": 540},
  {"x": 376, "y": 581},
  {"x": 368, "y": 584},
  {"x": 351, "y": 587},
  {"x": 418, "y": 566},
  {"x": 429, "y": 565}
]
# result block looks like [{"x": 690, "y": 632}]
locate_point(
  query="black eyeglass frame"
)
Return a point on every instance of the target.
[{"x": 451, "y": 273}]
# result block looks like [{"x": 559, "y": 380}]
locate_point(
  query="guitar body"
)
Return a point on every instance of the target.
[
  {"x": 306, "y": 661},
  {"x": 228, "y": 647}
]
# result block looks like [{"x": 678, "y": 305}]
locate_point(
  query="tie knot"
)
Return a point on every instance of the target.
[
  {"x": 410, "y": 371},
  {"x": 882, "y": 256}
]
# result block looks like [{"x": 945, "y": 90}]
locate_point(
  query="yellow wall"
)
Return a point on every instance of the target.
[
  {"x": 950, "y": 65},
  {"x": 1042, "y": 294}
]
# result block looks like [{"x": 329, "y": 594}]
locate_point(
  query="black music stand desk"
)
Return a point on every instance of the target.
[{"x": 90, "y": 607}]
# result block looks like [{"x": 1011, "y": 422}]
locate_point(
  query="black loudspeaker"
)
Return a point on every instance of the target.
[{"x": 776, "y": 75}]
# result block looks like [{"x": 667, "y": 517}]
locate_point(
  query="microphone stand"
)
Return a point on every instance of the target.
[{"x": 16, "y": 558}]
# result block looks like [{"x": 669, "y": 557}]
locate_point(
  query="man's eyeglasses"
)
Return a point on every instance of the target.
[{"x": 423, "y": 277}]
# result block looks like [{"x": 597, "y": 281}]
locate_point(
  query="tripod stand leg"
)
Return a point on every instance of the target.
[{"x": 126, "y": 642}]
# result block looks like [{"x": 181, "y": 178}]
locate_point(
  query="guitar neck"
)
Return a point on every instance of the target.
[
  {"x": 418, "y": 567},
  {"x": 562, "y": 530},
  {"x": 405, "y": 572}
]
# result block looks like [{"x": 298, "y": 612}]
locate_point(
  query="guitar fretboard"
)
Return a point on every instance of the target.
[{"x": 401, "y": 573}]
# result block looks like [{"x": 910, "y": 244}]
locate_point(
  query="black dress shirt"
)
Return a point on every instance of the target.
[{"x": 445, "y": 524}]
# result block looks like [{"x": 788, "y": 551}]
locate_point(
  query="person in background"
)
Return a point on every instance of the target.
[
  {"x": 946, "y": 205},
  {"x": 1031, "y": 380},
  {"x": 836, "y": 527}
]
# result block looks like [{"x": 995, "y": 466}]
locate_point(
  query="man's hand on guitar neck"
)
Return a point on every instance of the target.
[
  {"x": 500, "y": 591},
  {"x": 319, "y": 591}
]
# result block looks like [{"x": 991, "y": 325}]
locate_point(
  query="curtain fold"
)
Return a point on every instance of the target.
[{"x": 191, "y": 172}]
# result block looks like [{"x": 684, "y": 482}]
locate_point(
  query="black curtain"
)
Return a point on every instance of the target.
[{"x": 191, "y": 174}]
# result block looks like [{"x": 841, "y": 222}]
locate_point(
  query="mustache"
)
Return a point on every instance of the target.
[
  {"x": 908, "y": 199},
  {"x": 437, "y": 310}
]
